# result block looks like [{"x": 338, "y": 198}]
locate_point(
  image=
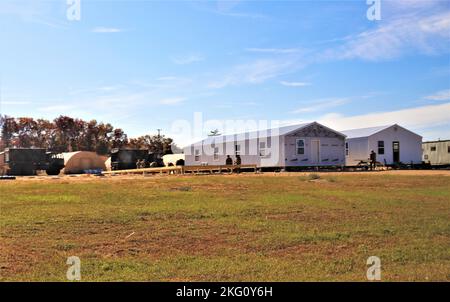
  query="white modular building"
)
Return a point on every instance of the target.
[
  {"x": 303, "y": 145},
  {"x": 392, "y": 144}
]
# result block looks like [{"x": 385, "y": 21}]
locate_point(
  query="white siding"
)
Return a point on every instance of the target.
[
  {"x": 249, "y": 152},
  {"x": 331, "y": 151},
  {"x": 358, "y": 150},
  {"x": 410, "y": 146},
  {"x": 280, "y": 149},
  {"x": 441, "y": 154}
]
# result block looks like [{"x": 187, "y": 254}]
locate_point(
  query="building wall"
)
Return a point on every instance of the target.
[
  {"x": 281, "y": 151},
  {"x": 358, "y": 150},
  {"x": 331, "y": 151},
  {"x": 249, "y": 152},
  {"x": 410, "y": 145},
  {"x": 439, "y": 157}
]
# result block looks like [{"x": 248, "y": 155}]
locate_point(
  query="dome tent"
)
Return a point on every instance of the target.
[{"x": 78, "y": 162}]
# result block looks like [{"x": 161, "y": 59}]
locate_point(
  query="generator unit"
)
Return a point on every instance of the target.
[{"x": 27, "y": 161}]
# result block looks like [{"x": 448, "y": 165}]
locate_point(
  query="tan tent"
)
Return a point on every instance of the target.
[{"x": 78, "y": 162}]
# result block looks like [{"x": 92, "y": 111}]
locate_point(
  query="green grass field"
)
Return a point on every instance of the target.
[{"x": 226, "y": 228}]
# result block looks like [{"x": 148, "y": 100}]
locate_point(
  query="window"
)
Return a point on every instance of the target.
[
  {"x": 300, "y": 146},
  {"x": 197, "y": 155},
  {"x": 346, "y": 149},
  {"x": 380, "y": 147},
  {"x": 433, "y": 148},
  {"x": 262, "y": 149},
  {"x": 237, "y": 149},
  {"x": 425, "y": 156},
  {"x": 448, "y": 149},
  {"x": 216, "y": 153}
]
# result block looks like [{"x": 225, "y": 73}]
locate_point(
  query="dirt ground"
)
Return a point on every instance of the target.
[{"x": 77, "y": 178}]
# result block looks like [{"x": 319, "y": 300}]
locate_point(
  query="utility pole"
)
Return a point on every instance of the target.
[{"x": 159, "y": 132}]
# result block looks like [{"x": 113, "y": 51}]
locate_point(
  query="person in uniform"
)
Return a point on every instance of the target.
[
  {"x": 238, "y": 162},
  {"x": 373, "y": 160},
  {"x": 228, "y": 161}
]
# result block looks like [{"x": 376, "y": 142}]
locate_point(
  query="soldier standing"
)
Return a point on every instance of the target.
[
  {"x": 238, "y": 162},
  {"x": 228, "y": 161},
  {"x": 373, "y": 160}
]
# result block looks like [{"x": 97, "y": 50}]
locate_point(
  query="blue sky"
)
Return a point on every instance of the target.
[{"x": 142, "y": 65}]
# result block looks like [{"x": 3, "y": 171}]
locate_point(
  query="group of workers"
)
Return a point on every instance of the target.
[
  {"x": 237, "y": 161},
  {"x": 141, "y": 164}
]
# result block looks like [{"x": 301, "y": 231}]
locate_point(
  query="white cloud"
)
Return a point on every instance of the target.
[
  {"x": 58, "y": 109},
  {"x": 295, "y": 84},
  {"x": 321, "y": 104},
  {"x": 443, "y": 95},
  {"x": 226, "y": 5},
  {"x": 418, "y": 117},
  {"x": 188, "y": 59},
  {"x": 408, "y": 5},
  {"x": 107, "y": 30},
  {"x": 436, "y": 133},
  {"x": 255, "y": 72},
  {"x": 243, "y": 15},
  {"x": 274, "y": 50},
  {"x": 172, "y": 101},
  {"x": 15, "y": 103},
  {"x": 167, "y": 78},
  {"x": 426, "y": 34},
  {"x": 38, "y": 12}
]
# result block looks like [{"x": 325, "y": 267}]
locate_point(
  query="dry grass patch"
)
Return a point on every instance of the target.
[{"x": 231, "y": 227}]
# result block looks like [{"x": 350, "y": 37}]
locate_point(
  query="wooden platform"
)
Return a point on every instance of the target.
[{"x": 185, "y": 169}]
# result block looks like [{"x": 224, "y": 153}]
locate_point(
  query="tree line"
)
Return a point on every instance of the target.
[{"x": 67, "y": 134}]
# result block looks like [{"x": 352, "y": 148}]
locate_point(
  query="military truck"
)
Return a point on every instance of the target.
[
  {"x": 125, "y": 159},
  {"x": 27, "y": 161}
]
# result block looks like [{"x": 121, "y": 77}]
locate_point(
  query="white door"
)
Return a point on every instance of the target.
[{"x": 315, "y": 151}]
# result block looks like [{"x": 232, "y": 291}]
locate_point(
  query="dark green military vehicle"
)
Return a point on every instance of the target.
[
  {"x": 27, "y": 161},
  {"x": 125, "y": 159}
]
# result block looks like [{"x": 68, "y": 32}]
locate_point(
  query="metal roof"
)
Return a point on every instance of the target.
[
  {"x": 364, "y": 132},
  {"x": 253, "y": 134},
  {"x": 280, "y": 131},
  {"x": 439, "y": 141}
]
